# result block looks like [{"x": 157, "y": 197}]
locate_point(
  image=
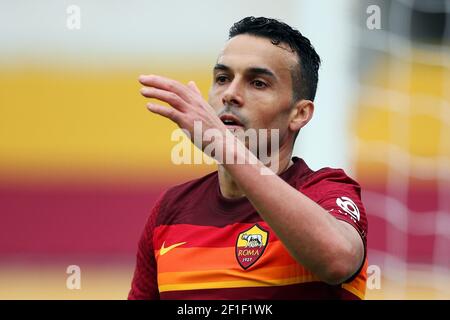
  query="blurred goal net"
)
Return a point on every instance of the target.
[{"x": 402, "y": 146}]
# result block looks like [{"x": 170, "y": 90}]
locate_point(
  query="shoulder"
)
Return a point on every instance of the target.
[
  {"x": 339, "y": 194},
  {"x": 329, "y": 177},
  {"x": 329, "y": 181}
]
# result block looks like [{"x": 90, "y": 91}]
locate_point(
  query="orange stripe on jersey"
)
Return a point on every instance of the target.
[
  {"x": 182, "y": 259},
  {"x": 358, "y": 285},
  {"x": 203, "y": 236},
  {"x": 225, "y": 278},
  {"x": 277, "y": 276},
  {"x": 261, "y": 274}
]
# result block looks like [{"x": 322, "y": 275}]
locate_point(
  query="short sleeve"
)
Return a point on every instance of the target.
[
  {"x": 340, "y": 195},
  {"x": 144, "y": 285}
]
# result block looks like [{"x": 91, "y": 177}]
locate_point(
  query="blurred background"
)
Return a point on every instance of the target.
[{"x": 82, "y": 160}]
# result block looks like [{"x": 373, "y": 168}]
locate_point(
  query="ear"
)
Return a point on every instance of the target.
[{"x": 301, "y": 113}]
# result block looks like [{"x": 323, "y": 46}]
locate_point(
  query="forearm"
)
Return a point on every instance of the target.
[{"x": 314, "y": 238}]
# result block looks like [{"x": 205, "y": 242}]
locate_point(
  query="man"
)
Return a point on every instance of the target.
[{"x": 238, "y": 233}]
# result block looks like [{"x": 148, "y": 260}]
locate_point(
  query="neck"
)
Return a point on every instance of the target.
[{"x": 230, "y": 189}]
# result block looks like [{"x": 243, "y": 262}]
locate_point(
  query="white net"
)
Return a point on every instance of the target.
[{"x": 402, "y": 144}]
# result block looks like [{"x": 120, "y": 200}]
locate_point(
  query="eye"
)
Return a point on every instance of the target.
[
  {"x": 221, "y": 79},
  {"x": 259, "y": 84}
]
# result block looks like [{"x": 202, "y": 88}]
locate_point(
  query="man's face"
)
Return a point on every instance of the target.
[{"x": 252, "y": 81}]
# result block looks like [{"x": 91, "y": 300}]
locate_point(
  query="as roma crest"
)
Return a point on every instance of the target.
[{"x": 250, "y": 245}]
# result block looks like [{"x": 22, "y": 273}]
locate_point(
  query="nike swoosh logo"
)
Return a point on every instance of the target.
[{"x": 164, "y": 250}]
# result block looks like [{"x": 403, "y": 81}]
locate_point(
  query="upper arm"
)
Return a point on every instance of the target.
[
  {"x": 351, "y": 218},
  {"x": 340, "y": 196},
  {"x": 356, "y": 243}
]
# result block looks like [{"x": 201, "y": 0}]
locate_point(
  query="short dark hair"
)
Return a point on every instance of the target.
[{"x": 305, "y": 78}]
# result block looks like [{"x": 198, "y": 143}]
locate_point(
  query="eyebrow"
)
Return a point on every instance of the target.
[{"x": 252, "y": 70}]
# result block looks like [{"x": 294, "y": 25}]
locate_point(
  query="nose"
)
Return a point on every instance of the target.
[{"x": 233, "y": 94}]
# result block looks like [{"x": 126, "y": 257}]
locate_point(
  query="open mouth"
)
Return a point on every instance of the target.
[{"x": 231, "y": 121}]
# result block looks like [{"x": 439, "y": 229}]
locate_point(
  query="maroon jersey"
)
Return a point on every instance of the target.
[{"x": 199, "y": 245}]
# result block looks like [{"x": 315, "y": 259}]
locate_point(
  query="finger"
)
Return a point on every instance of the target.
[
  {"x": 166, "y": 96},
  {"x": 166, "y": 112},
  {"x": 193, "y": 87},
  {"x": 166, "y": 84}
]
